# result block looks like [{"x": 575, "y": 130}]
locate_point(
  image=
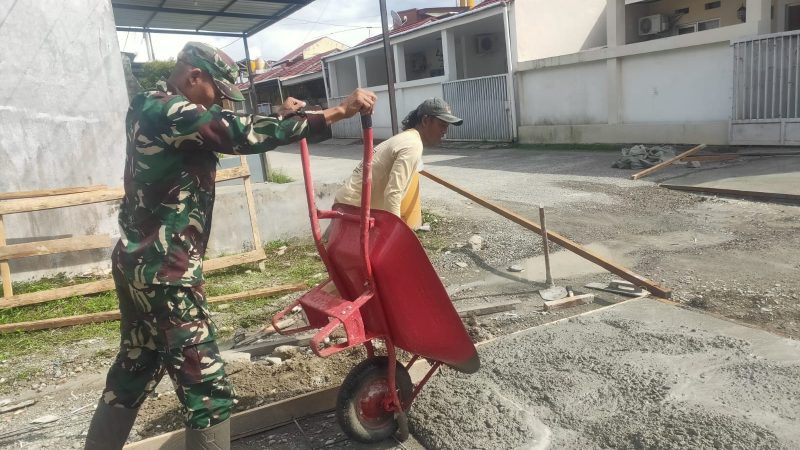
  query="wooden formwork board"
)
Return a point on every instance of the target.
[
  {"x": 30, "y": 201},
  {"x": 115, "y": 315}
]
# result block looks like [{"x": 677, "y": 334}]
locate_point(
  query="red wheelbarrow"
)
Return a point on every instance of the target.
[{"x": 387, "y": 290}]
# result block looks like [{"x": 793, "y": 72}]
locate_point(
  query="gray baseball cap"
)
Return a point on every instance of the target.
[{"x": 437, "y": 107}]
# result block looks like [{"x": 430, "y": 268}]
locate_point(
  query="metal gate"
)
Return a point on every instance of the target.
[
  {"x": 347, "y": 128},
  {"x": 484, "y": 105},
  {"x": 766, "y": 90}
]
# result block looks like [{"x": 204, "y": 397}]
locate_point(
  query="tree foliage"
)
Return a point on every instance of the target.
[{"x": 154, "y": 71}]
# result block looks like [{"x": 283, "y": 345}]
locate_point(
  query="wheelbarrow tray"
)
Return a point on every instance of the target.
[{"x": 412, "y": 306}]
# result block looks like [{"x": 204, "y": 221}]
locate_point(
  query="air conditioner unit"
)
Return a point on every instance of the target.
[
  {"x": 653, "y": 24},
  {"x": 485, "y": 43}
]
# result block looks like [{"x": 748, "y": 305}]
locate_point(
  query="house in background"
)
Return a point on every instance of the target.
[
  {"x": 459, "y": 54},
  {"x": 673, "y": 71},
  {"x": 298, "y": 74}
]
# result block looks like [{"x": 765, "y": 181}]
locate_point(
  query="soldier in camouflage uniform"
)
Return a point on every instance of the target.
[{"x": 165, "y": 220}]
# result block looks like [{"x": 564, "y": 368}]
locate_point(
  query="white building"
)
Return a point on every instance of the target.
[
  {"x": 587, "y": 71},
  {"x": 459, "y": 55}
]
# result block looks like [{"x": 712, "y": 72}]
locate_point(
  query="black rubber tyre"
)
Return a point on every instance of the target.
[{"x": 359, "y": 408}]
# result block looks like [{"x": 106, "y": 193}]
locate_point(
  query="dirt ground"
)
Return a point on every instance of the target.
[{"x": 730, "y": 258}]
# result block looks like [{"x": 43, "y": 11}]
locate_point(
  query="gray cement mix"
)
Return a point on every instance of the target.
[{"x": 642, "y": 374}]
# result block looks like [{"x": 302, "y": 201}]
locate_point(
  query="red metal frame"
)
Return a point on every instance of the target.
[{"x": 328, "y": 311}]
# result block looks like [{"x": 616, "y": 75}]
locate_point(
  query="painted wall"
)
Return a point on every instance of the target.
[
  {"x": 63, "y": 101},
  {"x": 324, "y": 45},
  {"x": 686, "y": 85},
  {"x": 345, "y": 78},
  {"x": 375, "y": 63},
  {"x": 483, "y": 64},
  {"x": 726, "y": 13},
  {"x": 573, "y": 94},
  {"x": 545, "y": 28}
]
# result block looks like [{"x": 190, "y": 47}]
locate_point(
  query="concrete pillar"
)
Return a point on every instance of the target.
[
  {"x": 614, "y": 87},
  {"x": 361, "y": 71},
  {"x": 449, "y": 55},
  {"x": 759, "y": 16},
  {"x": 615, "y": 23},
  {"x": 400, "y": 63},
  {"x": 333, "y": 79}
]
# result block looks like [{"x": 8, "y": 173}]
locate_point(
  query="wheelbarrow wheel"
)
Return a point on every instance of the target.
[{"x": 360, "y": 407}]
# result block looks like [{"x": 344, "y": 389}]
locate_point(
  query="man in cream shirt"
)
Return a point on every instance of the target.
[{"x": 399, "y": 158}]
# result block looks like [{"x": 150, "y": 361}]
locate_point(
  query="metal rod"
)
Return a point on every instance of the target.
[
  {"x": 390, "y": 75},
  {"x": 546, "y": 244},
  {"x": 251, "y": 92},
  {"x": 193, "y": 33},
  {"x": 194, "y": 12}
]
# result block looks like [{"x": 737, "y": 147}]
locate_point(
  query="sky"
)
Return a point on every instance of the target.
[{"x": 347, "y": 21}]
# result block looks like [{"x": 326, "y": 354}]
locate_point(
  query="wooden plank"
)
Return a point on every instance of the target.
[
  {"x": 491, "y": 308},
  {"x": 568, "y": 302},
  {"x": 710, "y": 158},
  {"x": 232, "y": 173},
  {"x": 234, "y": 260},
  {"x": 49, "y": 192},
  {"x": 257, "y": 293},
  {"x": 667, "y": 163},
  {"x": 254, "y": 421},
  {"x": 107, "y": 285},
  {"x": 59, "y": 201},
  {"x": 50, "y": 247},
  {"x": 734, "y": 192},
  {"x": 266, "y": 348},
  {"x": 115, "y": 315},
  {"x": 248, "y": 191},
  {"x": 560, "y": 240},
  {"x": 5, "y": 269}
]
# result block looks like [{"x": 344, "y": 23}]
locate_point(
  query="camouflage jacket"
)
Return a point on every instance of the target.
[{"x": 165, "y": 216}]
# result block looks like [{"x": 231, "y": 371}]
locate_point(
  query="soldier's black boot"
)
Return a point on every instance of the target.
[
  {"x": 217, "y": 437},
  {"x": 110, "y": 427}
]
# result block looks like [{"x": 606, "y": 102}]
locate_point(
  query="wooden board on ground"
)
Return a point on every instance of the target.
[
  {"x": 266, "y": 348},
  {"x": 253, "y": 421},
  {"x": 667, "y": 163},
  {"x": 734, "y": 192},
  {"x": 619, "y": 287},
  {"x": 574, "y": 247},
  {"x": 491, "y": 308},
  {"x": 114, "y": 315},
  {"x": 568, "y": 302}
]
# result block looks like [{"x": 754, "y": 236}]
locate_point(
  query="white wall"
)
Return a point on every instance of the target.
[
  {"x": 491, "y": 63},
  {"x": 344, "y": 79},
  {"x": 573, "y": 94},
  {"x": 375, "y": 63},
  {"x": 545, "y": 28},
  {"x": 685, "y": 85},
  {"x": 62, "y": 112}
]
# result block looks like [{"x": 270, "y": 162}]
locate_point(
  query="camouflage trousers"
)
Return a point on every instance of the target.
[{"x": 167, "y": 329}]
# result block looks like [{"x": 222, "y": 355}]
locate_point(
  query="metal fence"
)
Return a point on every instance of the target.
[
  {"x": 766, "y": 77},
  {"x": 484, "y": 105}
]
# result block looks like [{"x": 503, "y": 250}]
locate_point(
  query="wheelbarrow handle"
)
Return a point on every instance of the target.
[{"x": 366, "y": 121}]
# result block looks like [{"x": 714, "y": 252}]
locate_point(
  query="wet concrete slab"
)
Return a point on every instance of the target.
[
  {"x": 641, "y": 374},
  {"x": 778, "y": 174}
]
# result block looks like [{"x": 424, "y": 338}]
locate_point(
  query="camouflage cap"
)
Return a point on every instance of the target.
[
  {"x": 438, "y": 108},
  {"x": 216, "y": 63}
]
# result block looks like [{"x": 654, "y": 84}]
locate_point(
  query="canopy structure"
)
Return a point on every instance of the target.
[
  {"x": 231, "y": 18},
  {"x": 225, "y": 18}
]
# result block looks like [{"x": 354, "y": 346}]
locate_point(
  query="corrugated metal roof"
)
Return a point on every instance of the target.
[
  {"x": 284, "y": 71},
  {"x": 228, "y": 17}
]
